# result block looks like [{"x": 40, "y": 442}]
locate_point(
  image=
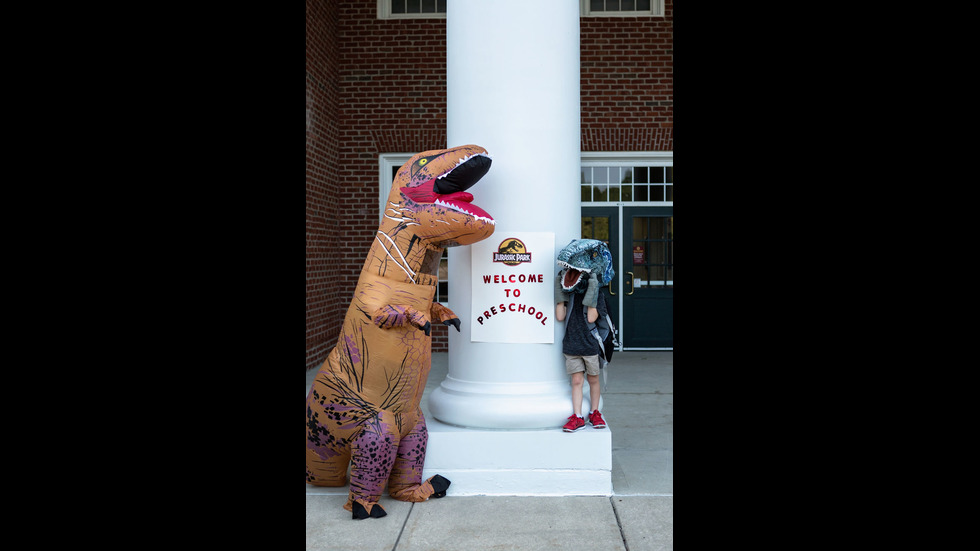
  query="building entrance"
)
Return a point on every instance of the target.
[{"x": 642, "y": 293}]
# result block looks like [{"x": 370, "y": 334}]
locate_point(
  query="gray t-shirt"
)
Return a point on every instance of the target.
[{"x": 578, "y": 340}]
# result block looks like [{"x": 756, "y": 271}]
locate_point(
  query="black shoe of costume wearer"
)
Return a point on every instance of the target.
[
  {"x": 359, "y": 512},
  {"x": 439, "y": 484}
]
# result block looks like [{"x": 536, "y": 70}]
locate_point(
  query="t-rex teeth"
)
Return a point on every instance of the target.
[
  {"x": 463, "y": 160},
  {"x": 457, "y": 208}
]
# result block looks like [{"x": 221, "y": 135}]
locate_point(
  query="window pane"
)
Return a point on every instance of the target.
[
  {"x": 626, "y": 175},
  {"x": 442, "y": 288},
  {"x": 428, "y": 6},
  {"x": 656, "y": 174},
  {"x": 642, "y": 174},
  {"x": 643, "y": 5},
  {"x": 586, "y": 193},
  {"x": 441, "y": 6},
  {"x": 600, "y": 175},
  {"x": 614, "y": 193},
  {"x": 397, "y": 6},
  {"x": 656, "y": 272},
  {"x": 640, "y": 229},
  {"x": 656, "y": 193},
  {"x": 586, "y": 228},
  {"x": 670, "y": 193},
  {"x": 655, "y": 253},
  {"x": 600, "y": 193},
  {"x": 612, "y": 5},
  {"x": 670, "y": 174},
  {"x": 596, "y": 5},
  {"x": 640, "y": 193},
  {"x": 586, "y": 175},
  {"x": 602, "y": 229},
  {"x": 629, "y": 5},
  {"x": 627, "y": 193}
]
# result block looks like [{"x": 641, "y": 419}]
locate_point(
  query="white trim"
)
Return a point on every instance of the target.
[
  {"x": 656, "y": 10},
  {"x": 628, "y": 204},
  {"x": 654, "y": 158}
]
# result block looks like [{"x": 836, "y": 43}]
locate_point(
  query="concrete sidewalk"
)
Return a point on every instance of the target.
[{"x": 638, "y": 398}]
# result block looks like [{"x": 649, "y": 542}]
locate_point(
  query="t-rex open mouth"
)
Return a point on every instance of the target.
[
  {"x": 448, "y": 189},
  {"x": 467, "y": 172}
]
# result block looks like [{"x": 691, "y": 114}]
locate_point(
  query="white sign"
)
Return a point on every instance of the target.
[{"x": 514, "y": 288}]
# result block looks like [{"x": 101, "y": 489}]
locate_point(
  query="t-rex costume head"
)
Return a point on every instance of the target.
[
  {"x": 584, "y": 256},
  {"x": 363, "y": 409},
  {"x": 429, "y": 209}
]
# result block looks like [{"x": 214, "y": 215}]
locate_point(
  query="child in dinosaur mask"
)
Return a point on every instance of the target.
[{"x": 585, "y": 266}]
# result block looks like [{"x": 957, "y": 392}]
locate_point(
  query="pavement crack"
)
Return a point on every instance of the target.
[
  {"x": 619, "y": 523},
  {"x": 400, "y": 532}
]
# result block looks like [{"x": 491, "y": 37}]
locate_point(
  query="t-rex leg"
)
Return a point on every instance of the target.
[
  {"x": 405, "y": 482},
  {"x": 327, "y": 458},
  {"x": 326, "y": 472},
  {"x": 372, "y": 456}
]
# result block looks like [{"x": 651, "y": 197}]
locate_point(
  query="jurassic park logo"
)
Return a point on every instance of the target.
[{"x": 511, "y": 252}]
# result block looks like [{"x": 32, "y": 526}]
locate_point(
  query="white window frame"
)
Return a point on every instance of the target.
[
  {"x": 627, "y": 158},
  {"x": 386, "y": 162},
  {"x": 656, "y": 10},
  {"x": 384, "y": 12}
]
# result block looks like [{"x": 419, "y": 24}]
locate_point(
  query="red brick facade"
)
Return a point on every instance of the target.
[{"x": 379, "y": 86}]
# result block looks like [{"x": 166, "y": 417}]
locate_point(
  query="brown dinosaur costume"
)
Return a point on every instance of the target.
[{"x": 363, "y": 409}]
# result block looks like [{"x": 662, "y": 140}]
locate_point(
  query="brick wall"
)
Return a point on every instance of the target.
[
  {"x": 323, "y": 190},
  {"x": 379, "y": 86},
  {"x": 627, "y": 82}
]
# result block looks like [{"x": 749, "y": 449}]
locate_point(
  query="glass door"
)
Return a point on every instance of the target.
[
  {"x": 648, "y": 277},
  {"x": 602, "y": 223}
]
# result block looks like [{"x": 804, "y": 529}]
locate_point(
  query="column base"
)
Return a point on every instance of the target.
[
  {"x": 507, "y": 406},
  {"x": 520, "y": 462}
]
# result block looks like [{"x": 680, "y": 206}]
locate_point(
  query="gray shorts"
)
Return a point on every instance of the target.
[{"x": 588, "y": 364}]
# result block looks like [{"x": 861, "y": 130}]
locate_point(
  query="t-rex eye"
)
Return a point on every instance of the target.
[{"x": 423, "y": 161}]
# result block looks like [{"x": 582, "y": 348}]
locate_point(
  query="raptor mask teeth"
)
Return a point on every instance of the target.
[{"x": 571, "y": 278}]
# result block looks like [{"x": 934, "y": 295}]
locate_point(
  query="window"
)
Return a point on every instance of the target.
[
  {"x": 622, "y": 8},
  {"x": 629, "y": 178},
  {"x": 411, "y": 9}
]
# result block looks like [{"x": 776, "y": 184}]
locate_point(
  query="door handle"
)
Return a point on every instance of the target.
[
  {"x": 632, "y": 288},
  {"x": 610, "y": 289}
]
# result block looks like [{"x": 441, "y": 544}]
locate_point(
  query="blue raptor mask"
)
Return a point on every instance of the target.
[{"x": 584, "y": 256}]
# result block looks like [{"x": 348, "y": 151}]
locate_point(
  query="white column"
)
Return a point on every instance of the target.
[{"x": 512, "y": 87}]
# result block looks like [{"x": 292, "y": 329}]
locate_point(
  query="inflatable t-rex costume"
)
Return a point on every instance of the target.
[{"x": 363, "y": 409}]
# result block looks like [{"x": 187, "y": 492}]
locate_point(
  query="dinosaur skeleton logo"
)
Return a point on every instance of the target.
[{"x": 511, "y": 252}]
